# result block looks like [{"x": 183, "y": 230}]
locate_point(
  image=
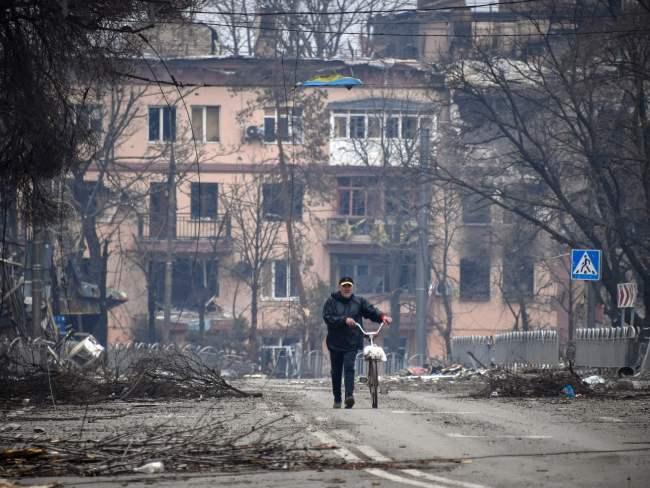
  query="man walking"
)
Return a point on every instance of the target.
[{"x": 342, "y": 309}]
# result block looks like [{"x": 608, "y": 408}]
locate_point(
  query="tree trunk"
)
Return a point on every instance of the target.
[
  {"x": 151, "y": 303},
  {"x": 102, "y": 323},
  {"x": 252, "y": 332}
]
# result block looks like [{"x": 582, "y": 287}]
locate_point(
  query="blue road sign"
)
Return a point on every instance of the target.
[{"x": 585, "y": 264}]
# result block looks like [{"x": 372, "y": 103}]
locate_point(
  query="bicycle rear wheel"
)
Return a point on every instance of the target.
[{"x": 373, "y": 382}]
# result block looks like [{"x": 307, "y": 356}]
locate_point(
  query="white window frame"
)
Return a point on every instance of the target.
[
  {"x": 204, "y": 117},
  {"x": 293, "y": 138},
  {"x": 289, "y": 297},
  {"x": 161, "y": 121},
  {"x": 383, "y": 116}
]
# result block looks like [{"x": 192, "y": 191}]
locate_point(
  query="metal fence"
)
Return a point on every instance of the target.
[
  {"x": 538, "y": 348},
  {"x": 608, "y": 347},
  {"x": 467, "y": 350}
]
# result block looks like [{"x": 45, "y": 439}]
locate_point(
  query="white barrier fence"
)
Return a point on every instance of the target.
[{"x": 611, "y": 347}]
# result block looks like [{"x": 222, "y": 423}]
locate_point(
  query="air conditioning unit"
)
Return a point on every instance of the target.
[{"x": 254, "y": 133}]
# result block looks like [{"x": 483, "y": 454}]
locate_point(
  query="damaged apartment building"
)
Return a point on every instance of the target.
[{"x": 218, "y": 154}]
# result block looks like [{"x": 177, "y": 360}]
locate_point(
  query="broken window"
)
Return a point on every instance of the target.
[
  {"x": 476, "y": 209},
  {"x": 194, "y": 281},
  {"x": 205, "y": 123},
  {"x": 203, "y": 200},
  {"x": 285, "y": 124},
  {"x": 475, "y": 278},
  {"x": 162, "y": 124},
  {"x": 89, "y": 117},
  {"x": 518, "y": 277},
  {"x": 278, "y": 206}
]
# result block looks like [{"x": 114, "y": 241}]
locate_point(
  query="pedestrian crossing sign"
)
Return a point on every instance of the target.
[{"x": 585, "y": 264}]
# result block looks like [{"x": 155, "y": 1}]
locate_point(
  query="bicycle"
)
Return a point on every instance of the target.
[{"x": 373, "y": 354}]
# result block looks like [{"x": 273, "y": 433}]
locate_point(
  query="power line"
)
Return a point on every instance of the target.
[
  {"x": 366, "y": 11},
  {"x": 409, "y": 35}
]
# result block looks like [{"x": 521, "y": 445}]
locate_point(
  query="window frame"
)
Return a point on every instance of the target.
[
  {"x": 470, "y": 202},
  {"x": 391, "y": 124},
  {"x": 297, "y": 205},
  {"x": 90, "y": 115},
  {"x": 200, "y": 216},
  {"x": 204, "y": 123},
  {"x": 294, "y": 120},
  {"x": 161, "y": 124},
  {"x": 468, "y": 293},
  {"x": 290, "y": 286},
  {"x": 351, "y": 188}
]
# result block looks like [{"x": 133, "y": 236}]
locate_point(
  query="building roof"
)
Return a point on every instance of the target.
[{"x": 261, "y": 72}]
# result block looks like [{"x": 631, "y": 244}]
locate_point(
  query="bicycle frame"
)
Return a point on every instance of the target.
[
  {"x": 370, "y": 335},
  {"x": 373, "y": 373}
]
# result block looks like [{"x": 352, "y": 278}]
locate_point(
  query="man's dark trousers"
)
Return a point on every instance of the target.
[{"x": 342, "y": 361}]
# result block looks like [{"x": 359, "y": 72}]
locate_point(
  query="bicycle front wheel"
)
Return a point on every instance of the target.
[{"x": 373, "y": 382}]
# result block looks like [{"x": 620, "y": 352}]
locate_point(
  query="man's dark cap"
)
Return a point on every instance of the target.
[{"x": 346, "y": 280}]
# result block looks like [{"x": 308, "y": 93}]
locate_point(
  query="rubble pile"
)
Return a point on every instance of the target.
[
  {"x": 540, "y": 383},
  {"x": 154, "y": 374}
]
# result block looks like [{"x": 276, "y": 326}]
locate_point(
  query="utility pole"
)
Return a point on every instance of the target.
[
  {"x": 591, "y": 304},
  {"x": 37, "y": 279},
  {"x": 422, "y": 258},
  {"x": 171, "y": 234}
]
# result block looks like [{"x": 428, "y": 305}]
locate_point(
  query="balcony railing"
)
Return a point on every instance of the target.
[
  {"x": 370, "y": 230},
  {"x": 355, "y": 229},
  {"x": 153, "y": 227}
]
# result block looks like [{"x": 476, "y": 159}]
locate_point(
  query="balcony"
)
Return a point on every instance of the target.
[
  {"x": 349, "y": 229},
  {"x": 369, "y": 231},
  {"x": 190, "y": 235}
]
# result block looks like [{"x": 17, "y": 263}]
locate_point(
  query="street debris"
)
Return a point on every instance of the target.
[
  {"x": 594, "y": 380},
  {"x": 151, "y": 468},
  {"x": 568, "y": 391},
  {"x": 168, "y": 373},
  {"x": 540, "y": 383}
]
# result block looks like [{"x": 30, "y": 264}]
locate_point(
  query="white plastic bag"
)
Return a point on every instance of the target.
[
  {"x": 374, "y": 352},
  {"x": 151, "y": 468}
]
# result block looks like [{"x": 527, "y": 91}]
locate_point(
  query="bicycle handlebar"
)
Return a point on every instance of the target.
[{"x": 369, "y": 333}]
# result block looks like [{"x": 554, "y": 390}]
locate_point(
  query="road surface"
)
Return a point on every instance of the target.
[{"x": 443, "y": 440}]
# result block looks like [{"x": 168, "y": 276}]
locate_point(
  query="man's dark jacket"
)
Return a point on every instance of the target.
[{"x": 340, "y": 336}]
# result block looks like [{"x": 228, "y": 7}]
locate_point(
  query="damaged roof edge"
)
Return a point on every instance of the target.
[{"x": 220, "y": 71}]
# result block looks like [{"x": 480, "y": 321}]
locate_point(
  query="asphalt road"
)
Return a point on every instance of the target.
[
  {"x": 438, "y": 440},
  {"x": 500, "y": 443}
]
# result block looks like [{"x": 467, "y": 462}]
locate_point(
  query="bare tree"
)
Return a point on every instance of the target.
[
  {"x": 572, "y": 121},
  {"x": 255, "y": 241},
  {"x": 51, "y": 53}
]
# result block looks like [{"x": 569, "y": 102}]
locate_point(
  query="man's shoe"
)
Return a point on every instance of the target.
[
  {"x": 337, "y": 404},
  {"x": 349, "y": 401}
]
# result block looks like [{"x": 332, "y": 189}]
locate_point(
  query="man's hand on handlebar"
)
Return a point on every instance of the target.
[
  {"x": 350, "y": 322},
  {"x": 387, "y": 320}
]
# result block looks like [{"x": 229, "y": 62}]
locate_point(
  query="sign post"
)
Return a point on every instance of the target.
[
  {"x": 627, "y": 293},
  {"x": 585, "y": 266}
]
